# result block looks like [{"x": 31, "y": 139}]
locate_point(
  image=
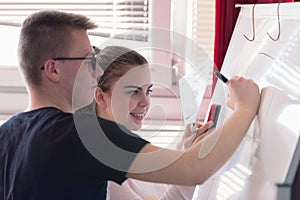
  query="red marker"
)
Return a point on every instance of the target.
[{"x": 214, "y": 113}]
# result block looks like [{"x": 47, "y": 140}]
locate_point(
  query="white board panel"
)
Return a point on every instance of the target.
[{"x": 264, "y": 157}]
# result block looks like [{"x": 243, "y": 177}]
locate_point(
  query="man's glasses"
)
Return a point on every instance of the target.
[{"x": 92, "y": 57}]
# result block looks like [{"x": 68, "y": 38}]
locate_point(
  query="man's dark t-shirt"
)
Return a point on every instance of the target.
[{"x": 42, "y": 156}]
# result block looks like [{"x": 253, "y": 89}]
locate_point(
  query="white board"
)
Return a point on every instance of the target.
[{"x": 264, "y": 157}]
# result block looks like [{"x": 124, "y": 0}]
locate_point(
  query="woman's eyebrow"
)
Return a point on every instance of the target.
[
  {"x": 133, "y": 86},
  {"x": 136, "y": 87}
]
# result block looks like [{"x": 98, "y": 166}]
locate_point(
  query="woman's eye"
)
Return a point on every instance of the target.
[
  {"x": 134, "y": 92},
  {"x": 149, "y": 92}
]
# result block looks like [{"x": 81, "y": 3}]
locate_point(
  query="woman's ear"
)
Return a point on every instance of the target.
[{"x": 99, "y": 98}]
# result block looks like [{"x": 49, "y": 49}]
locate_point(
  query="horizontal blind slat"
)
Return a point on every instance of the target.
[
  {"x": 114, "y": 16},
  {"x": 203, "y": 28}
]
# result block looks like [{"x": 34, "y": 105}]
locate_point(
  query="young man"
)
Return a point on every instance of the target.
[{"x": 48, "y": 153}]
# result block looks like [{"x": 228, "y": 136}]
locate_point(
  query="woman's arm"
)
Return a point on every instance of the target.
[{"x": 187, "y": 168}]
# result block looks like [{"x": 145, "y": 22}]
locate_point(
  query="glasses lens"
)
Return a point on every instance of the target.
[
  {"x": 94, "y": 59},
  {"x": 94, "y": 63},
  {"x": 96, "y": 49}
]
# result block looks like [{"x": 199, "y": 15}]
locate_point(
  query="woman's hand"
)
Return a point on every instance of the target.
[
  {"x": 243, "y": 94},
  {"x": 191, "y": 136}
]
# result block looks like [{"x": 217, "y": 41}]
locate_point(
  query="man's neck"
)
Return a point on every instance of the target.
[{"x": 39, "y": 99}]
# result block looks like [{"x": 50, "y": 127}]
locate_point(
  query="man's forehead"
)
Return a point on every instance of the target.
[{"x": 80, "y": 43}]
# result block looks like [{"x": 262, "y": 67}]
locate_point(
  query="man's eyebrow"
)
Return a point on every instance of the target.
[
  {"x": 133, "y": 86},
  {"x": 150, "y": 86}
]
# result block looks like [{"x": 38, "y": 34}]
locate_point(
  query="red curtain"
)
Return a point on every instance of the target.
[{"x": 226, "y": 16}]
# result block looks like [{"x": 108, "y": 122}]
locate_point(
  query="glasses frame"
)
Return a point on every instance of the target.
[{"x": 93, "y": 58}]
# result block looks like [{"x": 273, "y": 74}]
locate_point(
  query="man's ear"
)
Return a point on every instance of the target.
[
  {"x": 99, "y": 97},
  {"x": 50, "y": 70}
]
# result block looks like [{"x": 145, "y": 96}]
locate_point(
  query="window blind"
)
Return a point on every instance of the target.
[
  {"x": 165, "y": 134},
  {"x": 122, "y": 19},
  {"x": 203, "y": 29}
]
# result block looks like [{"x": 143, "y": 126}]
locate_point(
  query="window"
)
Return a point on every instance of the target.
[
  {"x": 9, "y": 42},
  {"x": 163, "y": 135},
  {"x": 194, "y": 20},
  {"x": 122, "y": 22},
  {"x": 202, "y": 31},
  {"x": 125, "y": 20},
  {"x": 203, "y": 24},
  {"x": 114, "y": 16}
]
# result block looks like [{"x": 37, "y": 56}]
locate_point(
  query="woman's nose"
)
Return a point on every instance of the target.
[{"x": 144, "y": 101}]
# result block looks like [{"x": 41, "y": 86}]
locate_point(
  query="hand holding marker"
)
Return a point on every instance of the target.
[
  {"x": 214, "y": 111},
  {"x": 213, "y": 116}
]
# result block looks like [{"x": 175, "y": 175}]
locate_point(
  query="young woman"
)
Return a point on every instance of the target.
[{"x": 123, "y": 95}]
